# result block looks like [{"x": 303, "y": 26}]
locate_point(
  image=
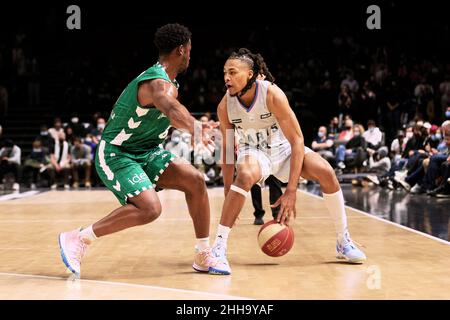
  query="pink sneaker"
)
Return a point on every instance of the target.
[
  {"x": 203, "y": 260},
  {"x": 73, "y": 248}
]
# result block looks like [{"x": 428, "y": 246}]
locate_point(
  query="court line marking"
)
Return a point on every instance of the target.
[
  {"x": 13, "y": 196},
  {"x": 113, "y": 283},
  {"x": 384, "y": 220}
]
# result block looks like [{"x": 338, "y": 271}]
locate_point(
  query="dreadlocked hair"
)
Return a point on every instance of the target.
[
  {"x": 170, "y": 36},
  {"x": 256, "y": 62}
]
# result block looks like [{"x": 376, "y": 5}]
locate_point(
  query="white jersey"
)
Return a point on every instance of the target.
[
  {"x": 256, "y": 126},
  {"x": 260, "y": 134}
]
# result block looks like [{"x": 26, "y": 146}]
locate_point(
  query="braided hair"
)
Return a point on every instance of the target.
[{"x": 256, "y": 62}]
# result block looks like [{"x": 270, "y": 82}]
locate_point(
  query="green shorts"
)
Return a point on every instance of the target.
[{"x": 128, "y": 174}]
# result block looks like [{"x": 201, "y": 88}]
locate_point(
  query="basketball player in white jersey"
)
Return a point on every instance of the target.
[{"x": 270, "y": 142}]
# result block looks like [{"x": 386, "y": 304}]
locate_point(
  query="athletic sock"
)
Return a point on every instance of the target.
[
  {"x": 336, "y": 207},
  {"x": 88, "y": 233}
]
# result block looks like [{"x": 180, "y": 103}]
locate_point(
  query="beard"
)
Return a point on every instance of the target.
[{"x": 183, "y": 68}]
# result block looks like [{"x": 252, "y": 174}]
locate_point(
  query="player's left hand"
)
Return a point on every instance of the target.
[{"x": 287, "y": 207}]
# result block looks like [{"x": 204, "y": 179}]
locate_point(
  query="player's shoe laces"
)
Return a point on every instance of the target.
[
  {"x": 73, "y": 248},
  {"x": 222, "y": 266},
  {"x": 347, "y": 250},
  {"x": 203, "y": 260}
]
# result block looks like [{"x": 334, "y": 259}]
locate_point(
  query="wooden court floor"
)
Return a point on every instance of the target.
[{"x": 154, "y": 261}]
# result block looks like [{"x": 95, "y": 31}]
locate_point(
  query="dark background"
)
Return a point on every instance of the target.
[{"x": 84, "y": 71}]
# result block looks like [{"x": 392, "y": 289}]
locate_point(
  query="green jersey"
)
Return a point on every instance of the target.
[{"x": 130, "y": 125}]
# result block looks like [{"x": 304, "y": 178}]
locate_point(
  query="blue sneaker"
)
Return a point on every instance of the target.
[
  {"x": 347, "y": 250},
  {"x": 221, "y": 267}
]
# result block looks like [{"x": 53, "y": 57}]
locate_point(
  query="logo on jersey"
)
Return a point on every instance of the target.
[
  {"x": 236, "y": 120},
  {"x": 266, "y": 115},
  {"x": 162, "y": 115},
  {"x": 138, "y": 178}
]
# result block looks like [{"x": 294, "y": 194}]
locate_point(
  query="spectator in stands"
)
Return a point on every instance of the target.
[
  {"x": 432, "y": 141},
  {"x": 98, "y": 131},
  {"x": 447, "y": 113},
  {"x": 56, "y": 129},
  {"x": 178, "y": 147},
  {"x": 81, "y": 159},
  {"x": 354, "y": 151},
  {"x": 70, "y": 135},
  {"x": 36, "y": 163},
  {"x": 10, "y": 158},
  {"x": 44, "y": 136},
  {"x": 333, "y": 127},
  {"x": 373, "y": 135},
  {"x": 323, "y": 144},
  {"x": 398, "y": 145},
  {"x": 60, "y": 161},
  {"x": 346, "y": 134},
  {"x": 76, "y": 126},
  {"x": 421, "y": 177},
  {"x": 379, "y": 162}
]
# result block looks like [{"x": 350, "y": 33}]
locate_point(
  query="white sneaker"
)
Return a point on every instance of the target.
[
  {"x": 374, "y": 179},
  {"x": 348, "y": 251},
  {"x": 16, "y": 187},
  {"x": 53, "y": 186},
  {"x": 403, "y": 183},
  {"x": 67, "y": 187},
  {"x": 33, "y": 186},
  {"x": 341, "y": 165},
  {"x": 73, "y": 249},
  {"x": 221, "y": 267}
]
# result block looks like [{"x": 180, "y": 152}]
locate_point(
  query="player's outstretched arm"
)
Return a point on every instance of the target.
[
  {"x": 161, "y": 94},
  {"x": 278, "y": 104}
]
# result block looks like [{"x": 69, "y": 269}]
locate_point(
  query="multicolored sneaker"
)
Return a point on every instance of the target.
[
  {"x": 73, "y": 248},
  {"x": 203, "y": 260},
  {"x": 347, "y": 250},
  {"x": 221, "y": 267}
]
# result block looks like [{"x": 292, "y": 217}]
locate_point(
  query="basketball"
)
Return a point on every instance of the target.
[{"x": 275, "y": 239}]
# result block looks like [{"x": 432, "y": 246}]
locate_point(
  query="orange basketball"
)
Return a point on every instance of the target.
[{"x": 275, "y": 239}]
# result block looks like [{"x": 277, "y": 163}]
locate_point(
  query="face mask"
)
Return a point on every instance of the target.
[
  {"x": 75, "y": 120},
  {"x": 409, "y": 135},
  {"x": 447, "y": 114},
  {"x": 371, "y": 130},
  {"x": 101, "y": 126},
  {"x": 356, "y": 134},
  {"x": 44, "y": 133},
  {"x": 321, "y": 134},
  {"x": 88, "y": 139},
  {"x": 438, "y": 136},
  {"x": 175, "y": 139},
  {"x": 37, "y": 149}
]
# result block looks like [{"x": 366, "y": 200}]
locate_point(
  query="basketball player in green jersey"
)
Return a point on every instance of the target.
[{"x": 131, "y": 162}]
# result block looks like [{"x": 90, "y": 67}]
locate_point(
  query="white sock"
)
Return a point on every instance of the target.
[
  {"x": 202, "y": 243},
  {"x": 222, "y": 234},
  {"x": 88, "y": 233},
  {"x": 336, "y": 207}
]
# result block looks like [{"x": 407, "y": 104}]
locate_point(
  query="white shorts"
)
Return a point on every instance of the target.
[{"x": 277, "y": 162}]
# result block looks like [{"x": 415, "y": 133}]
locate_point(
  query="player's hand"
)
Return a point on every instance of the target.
[{"x": 287, "y": 207}]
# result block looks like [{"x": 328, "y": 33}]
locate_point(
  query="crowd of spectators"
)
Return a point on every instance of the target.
[{"x": 382, "y": 100}]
